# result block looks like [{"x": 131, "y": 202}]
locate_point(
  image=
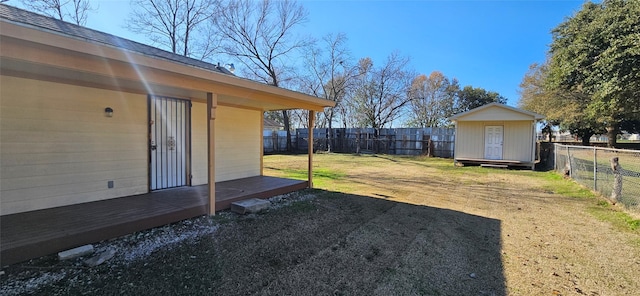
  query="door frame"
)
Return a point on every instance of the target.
[
  {"x": 486, "y": 131},
  {"x": 187, "y": 145}
]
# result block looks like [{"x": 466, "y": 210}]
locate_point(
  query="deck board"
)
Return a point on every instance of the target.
[
  {"x": 497, "y": 162},
  {"x": 33, "y": 234}
]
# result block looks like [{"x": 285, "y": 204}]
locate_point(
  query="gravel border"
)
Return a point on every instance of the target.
[{"x": 30, "y": 276}]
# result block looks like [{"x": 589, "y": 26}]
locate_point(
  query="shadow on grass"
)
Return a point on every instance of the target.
[{"x": 334, "y": 244}]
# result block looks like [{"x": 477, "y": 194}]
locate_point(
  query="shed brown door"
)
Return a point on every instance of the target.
[{"x": 168, "y": 142}]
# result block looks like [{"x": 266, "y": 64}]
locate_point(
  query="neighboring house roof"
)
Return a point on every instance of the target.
[
  {"x": 271, "y": 124},
  {"x": 506, "y": 113},
  {"x": 40, "y": 47}
]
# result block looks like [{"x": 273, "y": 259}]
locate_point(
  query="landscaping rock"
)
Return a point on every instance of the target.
[
  {"x": 75, "y": 252},
  {"x": 253, "y": 205},
  {"x": 101, "y": 258}
]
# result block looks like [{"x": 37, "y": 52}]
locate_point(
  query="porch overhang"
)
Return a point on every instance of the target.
[{"x": 37, "y": 54}]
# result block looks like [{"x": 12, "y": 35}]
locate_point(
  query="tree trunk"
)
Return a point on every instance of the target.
[
  {"x": 547, "y": 131},
  {"x": 287, "y": 127},
  {"x": 585, "y": 136},
  {"x": 376, "y": 141},
  {"x": 330, "y": 133},
  {"x": 612, "y": 133}
]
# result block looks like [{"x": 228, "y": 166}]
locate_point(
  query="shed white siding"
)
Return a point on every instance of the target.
[
  {"x": 238, "y": 141},
  {"x": 58, "y": 148},
  {"x": 470, "y": 139},
  {"x": 517, "y": 139}
]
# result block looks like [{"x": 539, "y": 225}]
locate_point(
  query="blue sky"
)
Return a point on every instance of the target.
[{"x": 488, "y": 44}]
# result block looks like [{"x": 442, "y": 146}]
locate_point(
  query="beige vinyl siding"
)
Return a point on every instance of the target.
[
  {"x": 517, "y": 137},
  {"x": 199, "y": 159},
  {"x": 237, "y": 142},
  {"x": 517, "y": 140},
  {"x": 469, "y": 139},
  {"x": 238, "y": 137},
  {"x": 58, "y": 148}
]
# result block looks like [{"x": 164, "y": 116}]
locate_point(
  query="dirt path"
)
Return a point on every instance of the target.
[
  {"x": 382, "y": 226},
  {"x": 547, "y": 243}
]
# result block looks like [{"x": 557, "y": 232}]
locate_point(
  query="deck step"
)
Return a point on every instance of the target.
[
  {"x": 247, "y": 206},
  {"x": 491, "y": 165}
]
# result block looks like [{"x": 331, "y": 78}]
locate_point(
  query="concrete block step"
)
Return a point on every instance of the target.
[{"x": 253, "y": 205}]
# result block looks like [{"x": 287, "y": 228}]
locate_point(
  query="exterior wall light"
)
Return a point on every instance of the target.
[{"x": 108, "y": 112}]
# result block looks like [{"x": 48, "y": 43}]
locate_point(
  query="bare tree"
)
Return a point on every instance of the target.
[
  {"x": 330, "y": 74},
  {"x": 173, "y": 23},
  {"x": 79, "y": 13},
  {"x": 260, "y": 35},
  {"x": 74, "y": 10},
  {"x": 433, "y": 98},
  {"x": 380, "y": 94}
]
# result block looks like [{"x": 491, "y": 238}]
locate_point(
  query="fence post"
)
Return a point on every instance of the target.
[
  {"x": 595, "y": 169},
  {"x": 567, "y": 166},
  {"x": 555, "y": 157},
  {"x": 358, "y": 141},
  {"x": 616, "y": 193}
]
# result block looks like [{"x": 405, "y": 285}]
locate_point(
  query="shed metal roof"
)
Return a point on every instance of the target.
[{"x": 467, "y": 114}]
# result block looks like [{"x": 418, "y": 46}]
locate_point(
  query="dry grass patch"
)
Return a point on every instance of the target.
[
  {"x": 383, "y": 225},
  {"x": 556, "y": 237}
]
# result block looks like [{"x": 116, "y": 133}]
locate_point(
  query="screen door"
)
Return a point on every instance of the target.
[{"x": 168, "y": 118}]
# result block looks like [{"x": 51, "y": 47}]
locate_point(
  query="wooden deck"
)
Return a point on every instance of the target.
[
  {"x": 33, "y": 234},
  {"x": 494, "y": 162}
]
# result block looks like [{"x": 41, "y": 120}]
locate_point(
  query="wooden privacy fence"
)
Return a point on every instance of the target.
[
  {"x": 437, "y": 142},
  {"x": 276, "y": 141}
]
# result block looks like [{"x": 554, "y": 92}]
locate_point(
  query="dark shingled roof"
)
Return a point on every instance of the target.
[{"x": 44, "y": 23}]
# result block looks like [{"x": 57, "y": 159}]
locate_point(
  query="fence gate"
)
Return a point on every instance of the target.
[{"x": 168, "y": 142}]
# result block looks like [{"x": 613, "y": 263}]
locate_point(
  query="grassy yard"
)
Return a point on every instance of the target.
[{"x": 383, "y": 225}]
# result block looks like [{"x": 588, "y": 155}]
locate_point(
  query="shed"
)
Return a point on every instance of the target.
[
  {"x": 88, "y": 119},
  {"x": 496, "y": 135}
]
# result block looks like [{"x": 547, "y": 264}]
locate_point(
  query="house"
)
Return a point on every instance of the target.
[
  {"x": 271, "y": 125},
  {"x": 496, "y": 135},
  {"x": 88, "y": 117},
  {"x": 275, "y": 136}
]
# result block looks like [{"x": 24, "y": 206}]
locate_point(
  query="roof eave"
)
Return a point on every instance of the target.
[{"x": 58, "y": 40}]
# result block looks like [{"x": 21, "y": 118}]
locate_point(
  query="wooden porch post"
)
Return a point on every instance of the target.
[
  {"x": 312, "y": 119},
  {"x": 261, "y": 144},
  {"x": 212, "y": 103}
]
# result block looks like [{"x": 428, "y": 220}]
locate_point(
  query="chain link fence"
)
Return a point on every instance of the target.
[{"x": 615, "y": 173}]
